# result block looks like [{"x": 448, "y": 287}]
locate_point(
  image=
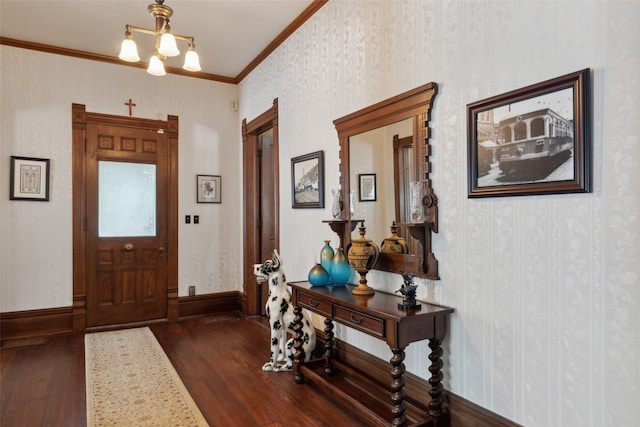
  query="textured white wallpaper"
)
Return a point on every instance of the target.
[
  {"x": 36, "y": 245},
  {"x": 546, "y": 288}
]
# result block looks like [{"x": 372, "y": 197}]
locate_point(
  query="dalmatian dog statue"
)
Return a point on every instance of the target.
[{"x": 280, "y": 312}]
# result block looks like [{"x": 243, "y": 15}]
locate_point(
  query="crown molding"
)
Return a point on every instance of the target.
[
  {"x": 108, "y": 59},
  {"x": 295, "y": 24}
]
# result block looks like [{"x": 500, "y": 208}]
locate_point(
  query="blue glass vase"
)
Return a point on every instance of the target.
[
  {"x": 340, "y": 268},
  {"x": 326, "y": 255},
  {"x": 318, "y": 276}
]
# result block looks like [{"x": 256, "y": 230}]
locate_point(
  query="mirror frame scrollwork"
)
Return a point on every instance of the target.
[{"x": 415, "y": 104}]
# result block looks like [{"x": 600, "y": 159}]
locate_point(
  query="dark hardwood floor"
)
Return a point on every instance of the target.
[{"x": 219, "y": 359}]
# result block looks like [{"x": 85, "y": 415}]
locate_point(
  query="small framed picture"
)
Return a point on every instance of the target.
[
  {"x": 307, "y": 181},
  {"x": 29, "y": 179},
  {"x": 367, "y": 187},
  {"x": 209, "y": 188},
  {"x": 534, "y": 140}
]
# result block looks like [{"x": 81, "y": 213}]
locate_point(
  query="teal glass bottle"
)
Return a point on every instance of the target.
[
  {"x": 326, "y": 255},
  {"x": 340, "y": 268},
  {"x": 318, "y": 276}
]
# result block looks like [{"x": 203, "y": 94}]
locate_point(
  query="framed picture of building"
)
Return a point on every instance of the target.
[
  {"x": 534, "y": 140},
  {"x": 307, "y": 180}
]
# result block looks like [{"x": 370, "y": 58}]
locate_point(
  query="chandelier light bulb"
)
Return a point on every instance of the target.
[
  {"x": 129, "y": 50},
  {"x": 191, "y": 61},
  {"x": 156, "y": 68},
  {"x": 168, "y": 45}
]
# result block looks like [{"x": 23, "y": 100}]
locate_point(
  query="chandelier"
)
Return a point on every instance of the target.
[{"x": 165, "y": 43}]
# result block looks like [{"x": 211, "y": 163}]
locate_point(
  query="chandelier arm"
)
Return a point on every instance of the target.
[
  {"x": 185, "y": 38},
  {"x": 131, "y": 28},
  {"x": 141, "y": 30}
]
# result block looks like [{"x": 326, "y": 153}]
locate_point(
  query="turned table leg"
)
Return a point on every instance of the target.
[
  {"x": 435, "y": 406},
  {"x": 397, "y": 387},
  {"x": 298, "y": 355},
  {"x": 328, "y": 347}
]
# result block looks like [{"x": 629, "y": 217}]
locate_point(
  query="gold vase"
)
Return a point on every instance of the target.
[
  {"x": 394, "y": 243},
  {"x": 363, "y": 255}
]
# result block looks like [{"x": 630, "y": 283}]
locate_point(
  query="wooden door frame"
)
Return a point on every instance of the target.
[
  {"x": 250, "y": 131},
  {"x": 80, "y": 117}
]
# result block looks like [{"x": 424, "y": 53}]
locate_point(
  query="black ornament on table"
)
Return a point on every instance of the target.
[{"x": 408, "y": 291}]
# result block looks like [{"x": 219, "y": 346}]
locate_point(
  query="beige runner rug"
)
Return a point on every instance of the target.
[{"x": 131, "y": 382}]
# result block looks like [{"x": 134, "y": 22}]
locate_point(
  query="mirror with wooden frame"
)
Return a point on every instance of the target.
[{"x": 387, "y": 145}]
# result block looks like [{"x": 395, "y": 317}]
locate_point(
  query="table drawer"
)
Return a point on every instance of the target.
[
  {"x": 315, "y": 304},
  {"x": 365, "y": 323}
]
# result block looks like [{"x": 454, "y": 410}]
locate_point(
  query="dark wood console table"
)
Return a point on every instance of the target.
[{"x": 379, "y": 316}]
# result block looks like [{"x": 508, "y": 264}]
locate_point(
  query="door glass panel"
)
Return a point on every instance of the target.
[{"x": 126, "y": 199}]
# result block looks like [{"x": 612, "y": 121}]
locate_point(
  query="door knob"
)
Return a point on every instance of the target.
[
  {"x": 161, "y": 250},
  {"x": 128, "y": 246}
]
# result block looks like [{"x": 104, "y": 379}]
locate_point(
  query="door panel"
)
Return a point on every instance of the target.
[
  {"x": 403, "y": 171},
  {"x": 267, "y": 197},
  {"x": 126, "y": 263},
  {"x": 252, "y": 201},
  {"x": 267, "y": 206}
]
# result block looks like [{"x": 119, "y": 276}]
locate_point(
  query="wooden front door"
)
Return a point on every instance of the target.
[{"x": 125, "y": 219}]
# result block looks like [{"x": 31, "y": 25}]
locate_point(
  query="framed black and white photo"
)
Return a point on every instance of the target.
[
  {"x": 534, "y": 140},
  {"x": 367, "y": 187},
  {"x": 209, "y": 188},
  {"x": 29, "y": 179},
  {"x": 307, "y": 180}
]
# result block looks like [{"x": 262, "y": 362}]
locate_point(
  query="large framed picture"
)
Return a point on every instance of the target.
[
  {"x": 29, "y": 179},
  {"x": 367, "y": 187},
  {"x": 307, "y": 180},
  {"x": 209, "y": 188},
  {"x": 534, "y": 140}
]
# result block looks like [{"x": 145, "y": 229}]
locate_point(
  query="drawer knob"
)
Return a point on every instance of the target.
[
  {"x": 354, "y": 320},
  {"x": 313, "y": 303}
]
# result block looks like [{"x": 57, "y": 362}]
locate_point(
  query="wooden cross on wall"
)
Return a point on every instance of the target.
[{"x": 131, "y": 105}]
